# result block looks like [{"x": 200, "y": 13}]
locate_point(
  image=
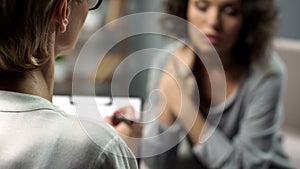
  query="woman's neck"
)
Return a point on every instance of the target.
[
  {"x": 39, "y": 82},
  {"x": 214, "y": 74}
]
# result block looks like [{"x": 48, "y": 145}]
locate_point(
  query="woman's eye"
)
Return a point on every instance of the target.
[
  {"x": 202, "y": 6},
  {"x": 231, "y": 11}
]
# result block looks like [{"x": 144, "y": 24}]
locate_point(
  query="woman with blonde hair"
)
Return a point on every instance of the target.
[{"x": 34, "y": 133}]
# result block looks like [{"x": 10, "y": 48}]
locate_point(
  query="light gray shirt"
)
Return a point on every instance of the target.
[
  {"x": 247, "y": 135},
  {"x": 35, "y": 134}
]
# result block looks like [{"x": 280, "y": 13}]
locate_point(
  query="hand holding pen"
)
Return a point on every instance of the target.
[
  {"x": 124, "y": 121},
  {"x": 118, "y": 117}
]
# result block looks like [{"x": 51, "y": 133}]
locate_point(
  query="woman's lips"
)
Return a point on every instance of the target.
[{"x": 213, "y": 39}]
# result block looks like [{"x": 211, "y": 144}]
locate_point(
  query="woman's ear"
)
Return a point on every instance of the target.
[{"x": 61, "y": 16}]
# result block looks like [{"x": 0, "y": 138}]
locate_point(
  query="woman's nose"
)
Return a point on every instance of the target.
[{"x": 214, "y": 19}]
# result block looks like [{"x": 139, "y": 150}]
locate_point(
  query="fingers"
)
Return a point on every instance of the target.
[
  {"x": 126, "y": 112},
  {"x": 118, "y": 118},
  {"x": 134, "y": 130},
  {"x": 108, "y": 120},
  {"x": 125, "y": 122}
]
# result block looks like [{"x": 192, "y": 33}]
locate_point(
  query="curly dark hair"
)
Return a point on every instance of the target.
[{"x": 258, "y": 27}]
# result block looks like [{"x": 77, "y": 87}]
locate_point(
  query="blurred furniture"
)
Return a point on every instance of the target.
[{"x": 289, "y": 51}]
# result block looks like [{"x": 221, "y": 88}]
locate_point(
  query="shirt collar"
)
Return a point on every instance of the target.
[{"x": 16, "y": 102}]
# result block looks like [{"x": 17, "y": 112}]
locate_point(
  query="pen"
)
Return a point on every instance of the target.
[{"x": 117, "y": 118}]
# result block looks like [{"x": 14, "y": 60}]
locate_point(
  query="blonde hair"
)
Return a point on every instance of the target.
[{"x": 24, "y": 34}]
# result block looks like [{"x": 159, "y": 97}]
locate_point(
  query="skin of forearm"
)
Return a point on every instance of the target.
[{"x": 192, "y": 120}]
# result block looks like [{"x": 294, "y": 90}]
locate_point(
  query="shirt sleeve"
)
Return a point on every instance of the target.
[
  {"x": 160, "y": 143},
  {"x": 252, "y": 147},
  {"x": 116, "y": 155}
]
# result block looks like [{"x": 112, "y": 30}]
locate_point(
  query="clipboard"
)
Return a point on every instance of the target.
[{"x": 106, "y": 105}]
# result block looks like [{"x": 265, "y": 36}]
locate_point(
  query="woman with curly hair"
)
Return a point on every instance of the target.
[{"x": 247, "y": 134}]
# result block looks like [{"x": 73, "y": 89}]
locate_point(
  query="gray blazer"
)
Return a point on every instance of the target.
[{"x": 247, "y": 135}]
